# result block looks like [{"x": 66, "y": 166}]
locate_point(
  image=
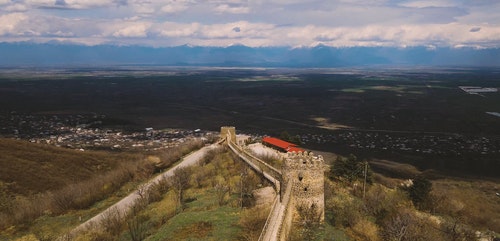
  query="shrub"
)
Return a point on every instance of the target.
[
  {"x": 221, "y": 190},
  {"x": 180, "y": 182},
  {"x": 346, "y": 211},
  {"x": 136, "y": 224},
  {"x": 252, "y": 221},
  {"x": 95, "y": 235},
  {"x": 112, "y": 221},
  {"x": 366, "y": 230},
  {"x": 29, "y": 237},
  {"x": 26, "y": 210},
  {"x": 419, "y": 192},
  {"x": 405, "y": 225},
  {"x": 85, "y": 193},
  {"x": 6, "y": 203},
  {"x": 350, "y": 169},
  {"x": 156, "y": 191},
  {"x": 308, "y": 223},
  {"x": 309, "y": 215},
  {"x": 273, "y": 160},
  {"x": 455, "y": 231},
  {"x": 380, "y": 201},
  {"x": 172, "y": 155}
]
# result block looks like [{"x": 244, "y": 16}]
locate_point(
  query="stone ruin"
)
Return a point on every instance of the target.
[
  {"x": 300, "y": 188},
  {"x": 228, "y": 130},
  {"x": 305, "y": 172}
]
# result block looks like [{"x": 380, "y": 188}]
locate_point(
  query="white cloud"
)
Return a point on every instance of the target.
[
  {"x": 482, "y": 14},
  {"x": 255, "y": 22},
  {"x": 175, "y": 6},
  {"x": 428, "y": 3},
  {"x": 40, "y": 2},
  {"x": 226, "y": 8},
  {"x": 16, "y": 8},
  {"x": 134, "y": 31},
  {"x": 86, "y": 4},
  {"x": 60, "y": 33},
  {"x": 176, "y": 30},
  {"x": 144, "y": 9},
  {"x": 70, "y": 4},
  {"x": 9, "y": 23},
  {"x": 152, "y": 7},
  {"x": 364, "y": 2},
  {"x": 247, "y": 30},
  {"x": 283, "y": 2}
]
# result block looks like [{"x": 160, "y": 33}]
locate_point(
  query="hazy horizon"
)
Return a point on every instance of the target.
[{"x": 321, "y": 56}]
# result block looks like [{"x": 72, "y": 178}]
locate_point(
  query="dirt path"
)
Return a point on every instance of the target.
[{"x": 126, "y": 203}]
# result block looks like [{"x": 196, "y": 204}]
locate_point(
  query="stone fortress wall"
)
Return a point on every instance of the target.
[
  {"x": 305, "y": 172},
  {"x": 299, "y": 185},
  {"x": 228, "y": 130}
]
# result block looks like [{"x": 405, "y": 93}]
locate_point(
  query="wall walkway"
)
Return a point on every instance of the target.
[{"x": 278, "y": 222}]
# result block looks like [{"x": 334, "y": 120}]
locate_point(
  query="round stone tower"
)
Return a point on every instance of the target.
[{"x": 305, "y": 172}]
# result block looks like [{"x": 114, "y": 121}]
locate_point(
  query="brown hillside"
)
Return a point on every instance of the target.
[{"x": 31, "y": 168}]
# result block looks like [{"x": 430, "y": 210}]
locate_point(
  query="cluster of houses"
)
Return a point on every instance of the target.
[
  {"x": 68, "y": 131},
  {"x": 417, "y": 143},
  {"x": 148, "y": 140},
  {"x": 440, "y": 144}
]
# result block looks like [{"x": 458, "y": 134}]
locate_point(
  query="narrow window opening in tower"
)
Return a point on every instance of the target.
[
  {"x": 305, "y": 189},
  {"x": 304, "y": 162},
  {"x": 300, "y": 178}
]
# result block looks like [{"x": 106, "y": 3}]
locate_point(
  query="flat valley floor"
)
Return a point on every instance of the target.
[{"x": 418, "y": 116}]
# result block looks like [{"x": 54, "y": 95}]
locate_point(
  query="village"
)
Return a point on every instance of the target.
[
  {"x": 441, "y": 144},
  {"x": 81, "y": 132},
  {"x": 85, "y": 131}
]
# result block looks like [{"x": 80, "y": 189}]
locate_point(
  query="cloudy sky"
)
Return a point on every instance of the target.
[{"x": 339, "y": 23}]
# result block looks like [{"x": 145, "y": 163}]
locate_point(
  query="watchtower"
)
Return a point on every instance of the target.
[
  {"x": 225, "y": 130},
  {"x": 304, "y": 172}
]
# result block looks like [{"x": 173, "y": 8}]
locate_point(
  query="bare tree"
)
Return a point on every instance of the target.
[
  {"x": 135, "y": 226},
  {"x": 180, "y": 181},
  {"x": 221, "y": 189},
  {"x": 310, "y": 217},
  {"x": 396, "y": 228},
  {"x": 142, "y": 191},
  {"x": 112, "y": 221},
  {"x": 456, "y": 231},
  {"x": 405, "y": 225}
]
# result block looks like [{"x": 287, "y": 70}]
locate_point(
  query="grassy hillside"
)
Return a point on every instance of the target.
[
  {"x": 430, "y": 207},
  {"x": 216, "y": 204},
  {"x": 214, "y": 192},
  {"x": 46, "y": 190},
  {"x": 28, "y": 168}
]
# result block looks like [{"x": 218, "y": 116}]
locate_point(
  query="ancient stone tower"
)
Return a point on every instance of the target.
[
  {"x": 305, "y": 172},
  {"x": 225, "y": 130}
]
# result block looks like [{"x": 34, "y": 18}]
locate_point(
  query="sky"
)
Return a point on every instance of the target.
[{"x": 254, "y": 23}]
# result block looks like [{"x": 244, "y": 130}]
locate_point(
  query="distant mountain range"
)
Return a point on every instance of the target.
[{"x": 56, "y": 54}]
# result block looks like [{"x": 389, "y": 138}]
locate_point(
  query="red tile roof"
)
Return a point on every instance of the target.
[
  {"x": 285, "y": 146},
  {"x": 295, "y": 149}
]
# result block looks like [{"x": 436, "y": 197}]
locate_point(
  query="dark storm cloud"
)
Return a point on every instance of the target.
[{"x": 475, "y": 29}]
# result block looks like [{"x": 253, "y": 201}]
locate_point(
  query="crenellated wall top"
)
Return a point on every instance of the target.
[{"x": 303, "y": 160}]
